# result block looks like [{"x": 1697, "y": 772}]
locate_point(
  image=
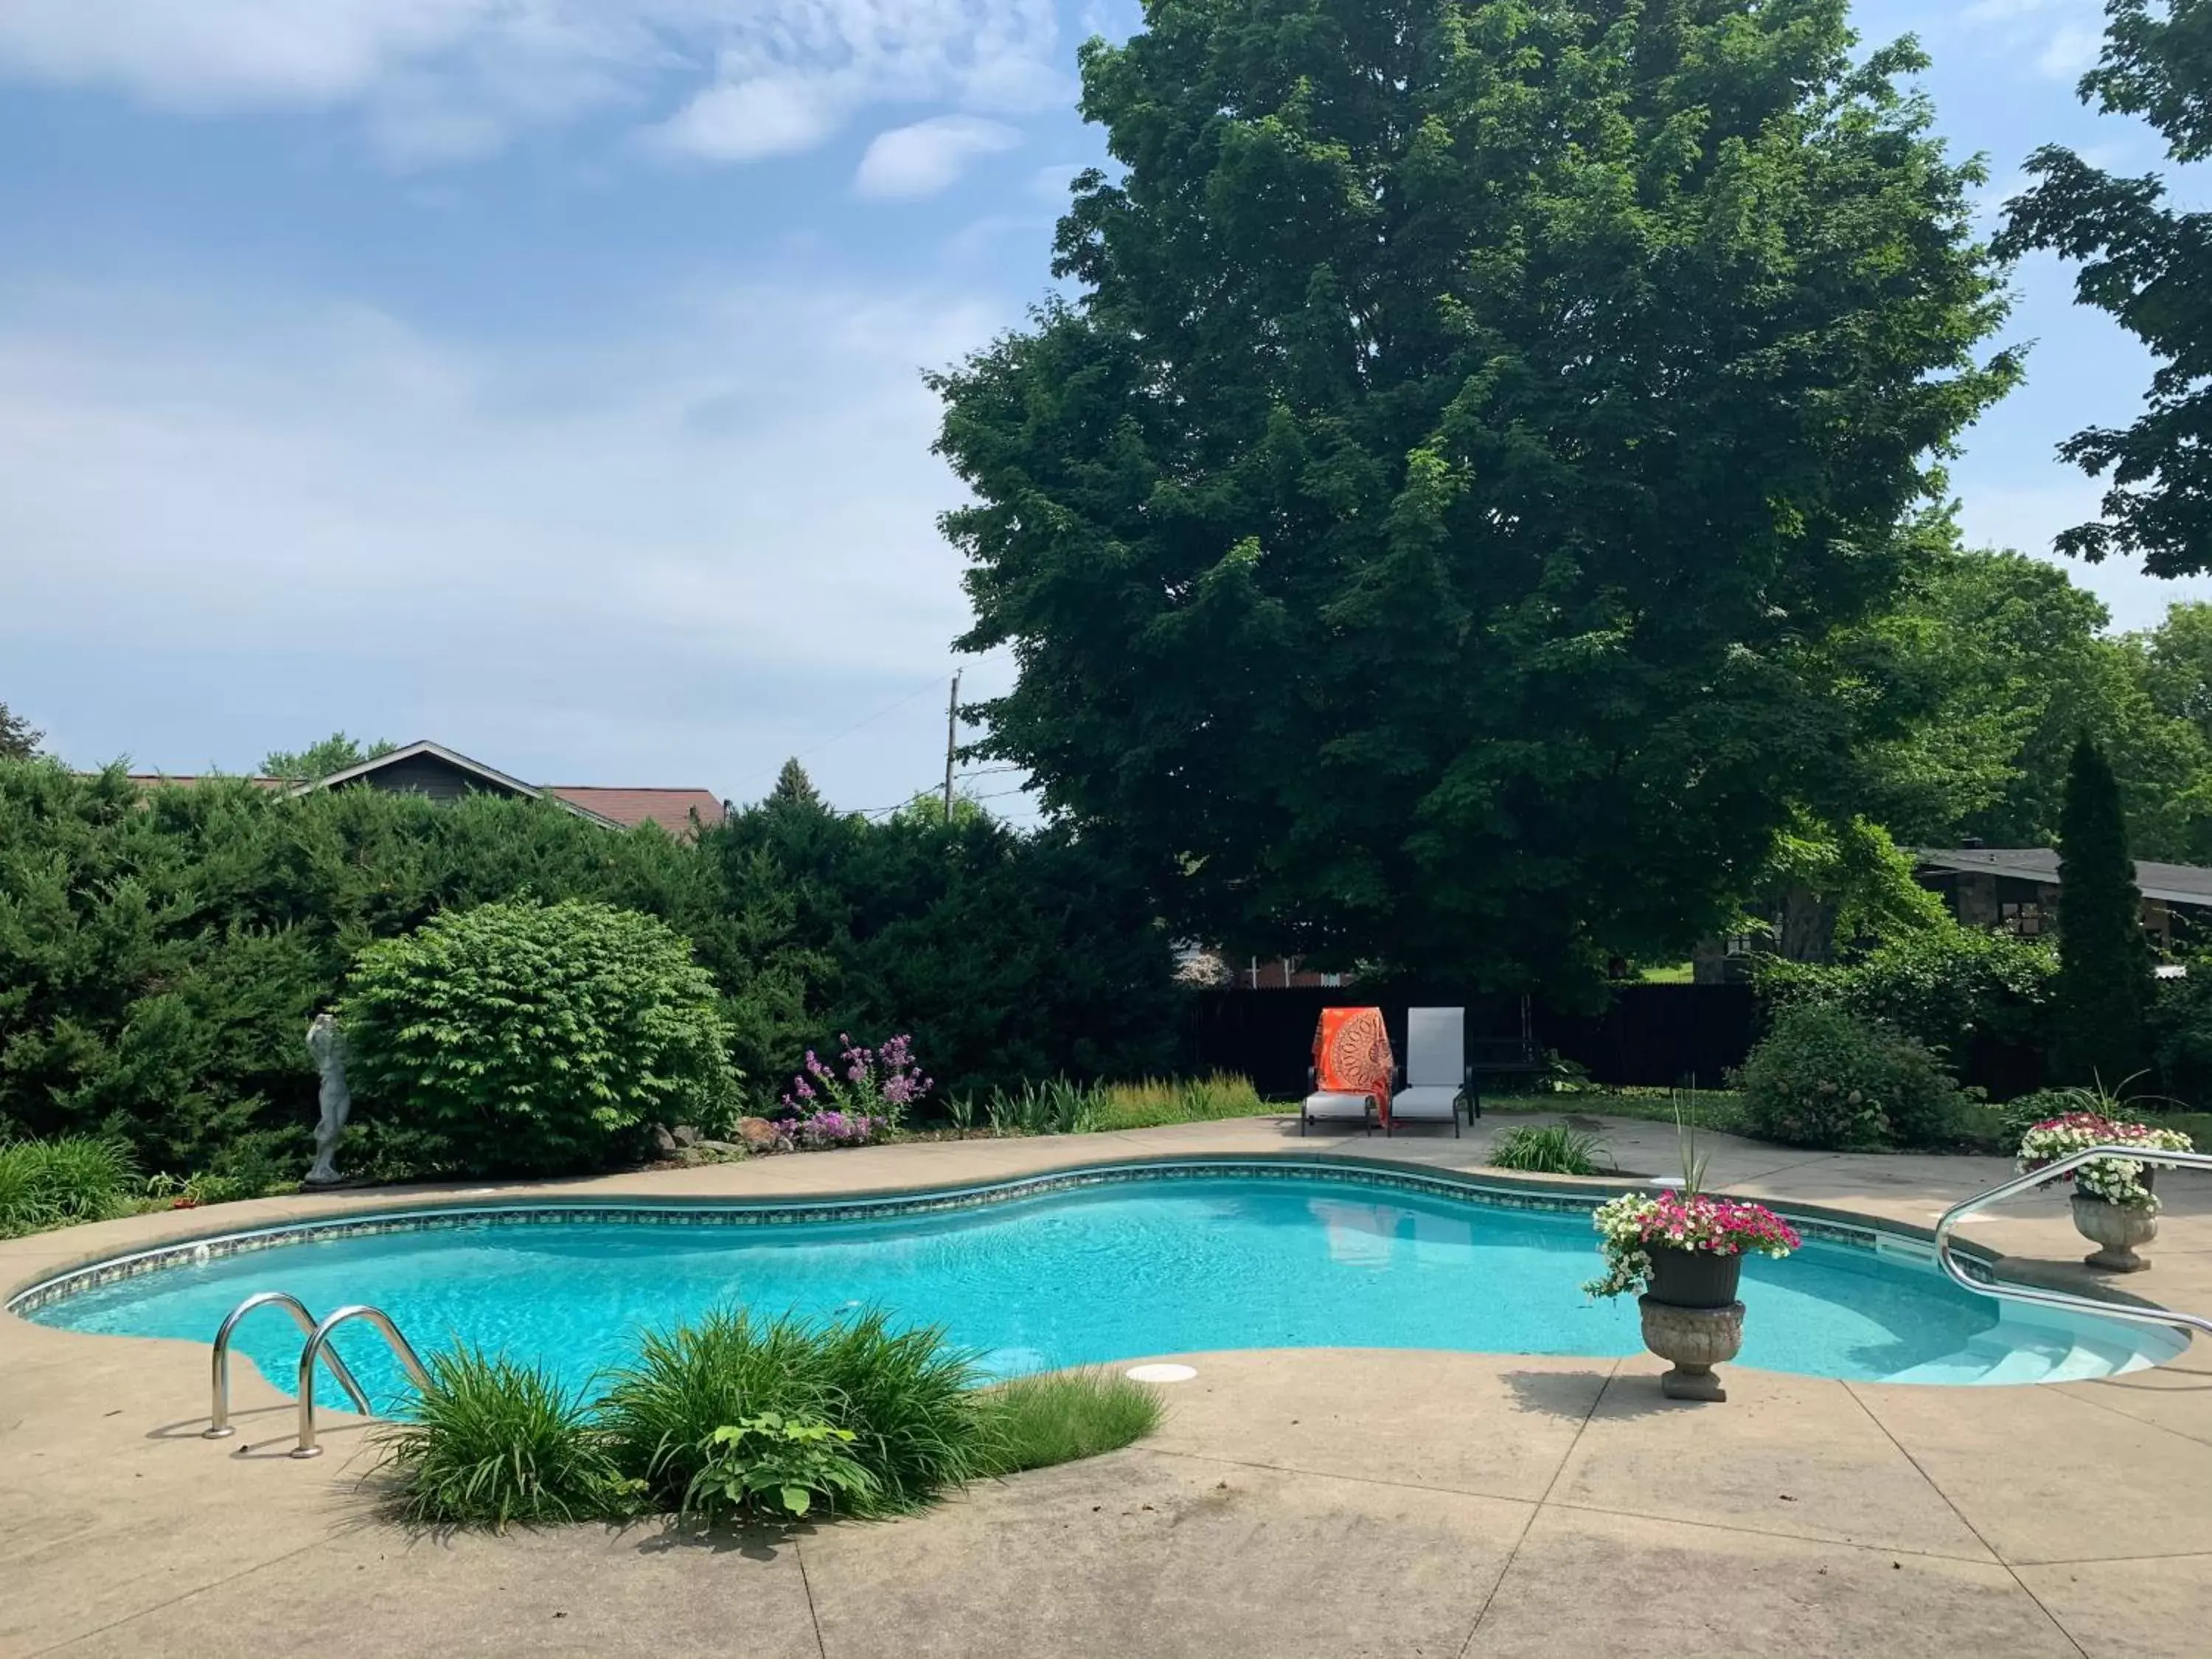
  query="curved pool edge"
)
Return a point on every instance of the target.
[{"x": 55, "y": 1279}]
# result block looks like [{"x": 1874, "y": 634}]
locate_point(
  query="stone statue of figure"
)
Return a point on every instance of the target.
[{"x": 327, "y": 1046}]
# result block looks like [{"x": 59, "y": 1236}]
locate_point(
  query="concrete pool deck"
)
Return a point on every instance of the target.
[{"x": 1307, "y": 1502}]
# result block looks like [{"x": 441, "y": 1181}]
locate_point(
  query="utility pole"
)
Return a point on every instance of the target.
[{"x": 951, "y": 717}]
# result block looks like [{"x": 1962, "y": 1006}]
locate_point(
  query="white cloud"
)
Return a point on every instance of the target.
[
  {"x": 2069, "y": 52},
  {"x": 1051, "y": 182},
  {"x": 923, "y": 159},
  {"x": 743, "y": 120},
  {"x": 673, "y": 557},
  {"x": 440, "y": 79}
]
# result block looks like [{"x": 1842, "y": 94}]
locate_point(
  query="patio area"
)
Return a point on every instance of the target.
[{"x": 1305, "y": 1502}]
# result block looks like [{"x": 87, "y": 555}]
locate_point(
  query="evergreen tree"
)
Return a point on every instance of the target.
[
  {"x": 794, "y": 787},
  {"x": 19, "y": 739},
  {"x": 2104, "y": 960}
]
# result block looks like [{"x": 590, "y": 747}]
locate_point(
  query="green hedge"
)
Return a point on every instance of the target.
[{"x": 162, "y": 949}]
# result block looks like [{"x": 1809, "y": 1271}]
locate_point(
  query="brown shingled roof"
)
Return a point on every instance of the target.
[{"x": 671, "y": 809}]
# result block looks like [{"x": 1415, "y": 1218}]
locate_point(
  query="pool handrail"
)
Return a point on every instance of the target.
[
  {"x": 2141, "y": 1313},
  {"x": 320, "y": 1342},
  {"x": 219, "y": 1426}
]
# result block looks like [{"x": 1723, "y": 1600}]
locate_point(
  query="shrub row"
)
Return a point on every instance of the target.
[{"x": 162, "y": 949}]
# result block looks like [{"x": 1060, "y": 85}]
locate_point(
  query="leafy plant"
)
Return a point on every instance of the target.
[
  {"x": 1553, "y": 1149},
  {"x": 51, "y": 1183},
  {"x": 1054, "y": 1107},
  {"x": 778, "y": 1465},
  {"x": 961, "y": 1109},
  {"x": 1154, "y": 1101},
  {"x": 1821, "y": 1078},
  {"x": 1056, "y": 1417},
  {"x": 865, "y": 1083},
  {"x": 906, "y": 1396},
  {"x": 491, "y": 1442},
  {"x": 540, "y": 1039},
  {"x": 1945, "y": 986}
]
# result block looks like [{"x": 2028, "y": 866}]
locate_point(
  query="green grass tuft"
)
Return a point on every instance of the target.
[
  {"x": 491, "y": 1443},
  {"x": 52, "y": 1183},
  {"x": 1553, "y": 1149},
  {"x": 1056, "y": 1417},
  {"x": 908, "y": 1397}
]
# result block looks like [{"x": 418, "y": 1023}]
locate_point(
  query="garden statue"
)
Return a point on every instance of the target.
[{"x": 327, "y": 1045}]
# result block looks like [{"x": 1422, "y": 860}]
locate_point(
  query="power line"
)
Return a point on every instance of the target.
[{"x": 888, "y": 709}]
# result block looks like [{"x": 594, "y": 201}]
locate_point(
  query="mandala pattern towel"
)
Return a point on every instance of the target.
[{"x": 1351, "y": 1055}]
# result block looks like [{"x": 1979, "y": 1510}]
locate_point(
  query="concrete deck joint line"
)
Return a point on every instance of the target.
[
  {"x": 806, "y": 1583},
  {"x": 1963, "y": 1521},
  {"x": 1612, "y": 1375}
]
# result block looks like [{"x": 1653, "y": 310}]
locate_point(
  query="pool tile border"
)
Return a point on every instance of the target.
[{"x": 740, "y": 1212}]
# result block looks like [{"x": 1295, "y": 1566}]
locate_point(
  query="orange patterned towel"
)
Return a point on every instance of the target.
[{"x": 1351, "y": 1055}]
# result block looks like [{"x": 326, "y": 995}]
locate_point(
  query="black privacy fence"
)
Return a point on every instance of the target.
[{"x": 1647, "y": 1034}]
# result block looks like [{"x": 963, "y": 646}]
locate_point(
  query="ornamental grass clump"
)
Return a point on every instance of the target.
[
  {"x": 491, "y": 1443},
  {"x": 2115, "y": 1179},
  {"x": 906, "y": 1396},
  {"x": 1554, "y": 1149},
  {"x": 1056, "y": 1417},
  {"x": 1633, "y": 1225}
]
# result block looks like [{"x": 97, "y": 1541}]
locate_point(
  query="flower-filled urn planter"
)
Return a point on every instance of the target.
[
  {"x": 1685, "y": 1251},
  {"x": 2114, "y": 1206}
]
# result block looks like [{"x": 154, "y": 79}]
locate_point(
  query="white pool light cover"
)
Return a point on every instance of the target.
[{"x": 1161, "y": 1373}]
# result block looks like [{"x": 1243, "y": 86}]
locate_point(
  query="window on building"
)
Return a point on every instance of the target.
[{"x": 2024, "y": 918}]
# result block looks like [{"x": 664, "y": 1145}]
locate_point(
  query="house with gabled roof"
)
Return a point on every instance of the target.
[{"x": 425, "y": 767}]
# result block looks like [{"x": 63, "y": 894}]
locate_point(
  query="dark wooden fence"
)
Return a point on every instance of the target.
[{"x": 1647, "y": 1034}]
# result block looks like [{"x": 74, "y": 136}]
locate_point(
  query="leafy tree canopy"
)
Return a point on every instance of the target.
[
  {"x": 2151, "y": 268},
  {"x": 1419, "y": 538},
  {"x": 2004, "y": 663},
  {"x": 319, "y": 760}
]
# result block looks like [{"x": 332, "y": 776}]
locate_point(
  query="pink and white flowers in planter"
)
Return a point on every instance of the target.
[
  {"x": 1630, "y": 1227},
  {"x": 2115, "y": 1179}
]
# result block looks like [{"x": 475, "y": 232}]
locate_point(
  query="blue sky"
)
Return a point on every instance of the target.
[{"x": 542, "y": 375}]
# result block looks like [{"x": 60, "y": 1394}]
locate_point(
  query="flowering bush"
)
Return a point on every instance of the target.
[
  {"x": 835, "y": 1129},
  {"x": 1628, "y": 1226},
  {"x": 866, "y": 1082},
  {"x": 2115, "y": 1180}
]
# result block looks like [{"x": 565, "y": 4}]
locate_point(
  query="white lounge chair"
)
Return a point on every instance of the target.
[
  {"x": 1438, "y": 1076},
  {"x": 1335, "y": 1105}
]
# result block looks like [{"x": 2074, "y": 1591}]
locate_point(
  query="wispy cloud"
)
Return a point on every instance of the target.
[
  {"x": 644, "y": 557},
  {"x": 924, "y": 158},
  {"x": 443, "y": 80}
]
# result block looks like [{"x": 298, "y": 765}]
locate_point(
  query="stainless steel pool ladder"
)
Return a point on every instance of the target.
[
  {"x": 318, "y": 1347},
  {"x": 2043, "y": 1298}
]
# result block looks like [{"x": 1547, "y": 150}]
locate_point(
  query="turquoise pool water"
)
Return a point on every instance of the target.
[{"x": 1099, "y": 1273}]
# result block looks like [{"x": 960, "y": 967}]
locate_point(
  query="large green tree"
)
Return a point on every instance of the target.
[
  {"x": 2104, "y": 958},
  {"x": 1419, "y": 537},
  {"x": 2003, "y": 662},
  {"x": 2150, "y": 266}
]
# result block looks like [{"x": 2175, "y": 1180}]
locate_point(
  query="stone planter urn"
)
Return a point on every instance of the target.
[
  {"x": 1691, "y": 1319},
  {"x": 2117, "y": 1228}
]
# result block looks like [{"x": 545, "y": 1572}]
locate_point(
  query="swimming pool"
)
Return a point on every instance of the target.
[{"x": 1092, "y": 1267}]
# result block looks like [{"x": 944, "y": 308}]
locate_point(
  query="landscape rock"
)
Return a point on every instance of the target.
[
  {"x": 684, "y": 1135},
  {"x": 758, "y": 1134},
  {"x": 663, "y": 1142}
]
